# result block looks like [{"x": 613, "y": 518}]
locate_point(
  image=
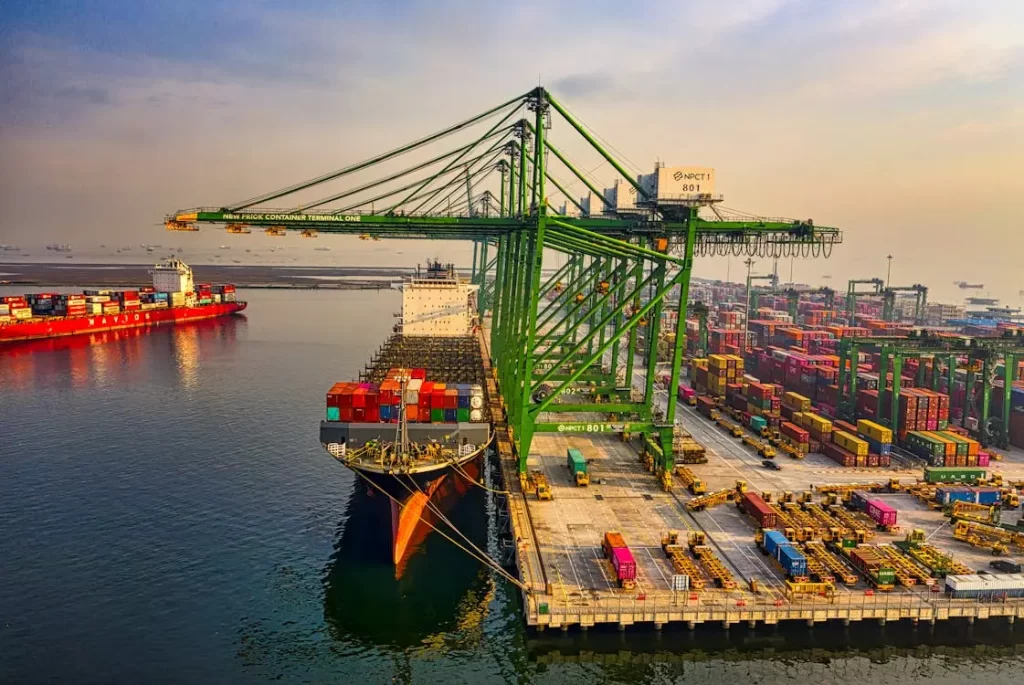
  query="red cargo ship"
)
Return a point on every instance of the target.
[{"x": 172, "y": 300}]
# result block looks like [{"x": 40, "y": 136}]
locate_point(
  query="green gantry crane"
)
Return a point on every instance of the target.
[
  {"x": 755, "y": 296},
  {"x": 876, "y": 285},
  {"x": 889, "y": 301},
  {"x": 978, "y": 355},
  {"x": 701, "y": 311},
  {"x": 550, "y": 353}
]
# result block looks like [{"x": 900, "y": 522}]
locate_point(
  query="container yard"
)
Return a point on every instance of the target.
[{"x": 857, "y": 523}]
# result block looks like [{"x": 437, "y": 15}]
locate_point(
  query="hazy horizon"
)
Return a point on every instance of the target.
[{"x": 900, "y": 122}]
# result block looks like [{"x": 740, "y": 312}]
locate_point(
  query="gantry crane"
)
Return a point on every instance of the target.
[
  {"x": 877, "y": 284},
  {"x": 701, "y": 311},
  {"x": 889, "y": 301},
  {"x": 980, "y": 355},
  {"x": 754, "y": 296},
  {"x": 645, "y": 252}
]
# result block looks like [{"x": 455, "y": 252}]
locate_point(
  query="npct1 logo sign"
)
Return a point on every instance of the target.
[{"x": 592, "y": 428}]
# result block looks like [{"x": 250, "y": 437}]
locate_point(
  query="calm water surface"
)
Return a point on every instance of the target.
[{"x": 167, "y": 515}]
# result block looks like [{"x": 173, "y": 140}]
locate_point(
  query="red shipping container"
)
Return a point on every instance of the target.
[
  {"x": 359, "y": 414},
  {"x": 451, "y": 399},
  {"x": 372, "y": 414},
  {"x": 437, "y": 399},
  {"x": 838, "y": 454},
  {"x": 372, "y": 399},
  {"x": 795, "y": 432},
  {"x": 420, "y": 374},
  {"x": 758, "y": 510},
  {"x": 359, "y": 398},
  {"x": 347, "y": 414},
  {"x": 425, "y": 391}
]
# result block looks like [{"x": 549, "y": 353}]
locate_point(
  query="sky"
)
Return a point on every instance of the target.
[{"x": 899, "y": 121}]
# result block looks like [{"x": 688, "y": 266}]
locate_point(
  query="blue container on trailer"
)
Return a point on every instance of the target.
[
  {"x": 792, "y": 561},
  {"x": 451, "y": 415},
  {"x": 758, "y": 423},
  {"x": 773, "y": 539},
  {"x": 950, "y": 495},
  {"x": 987, "y": 496},
  {"x": 385, "y": 412}
]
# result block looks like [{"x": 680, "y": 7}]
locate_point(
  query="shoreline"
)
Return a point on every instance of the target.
[{"x": 54, "y": 275}]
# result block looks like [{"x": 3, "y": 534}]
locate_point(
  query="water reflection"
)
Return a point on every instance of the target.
[
  {"x": 439, "y": 602},
  {"x": 101, "y": 360},
  {"x": 784, "y": 644}
]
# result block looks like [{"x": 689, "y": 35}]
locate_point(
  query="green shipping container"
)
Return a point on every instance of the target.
[
  {"x": 886, "y": 576},
  {"x": 333, "y": 414},
  {"x": 952, "y": 474},
  {"x": 437, "y": 415},
  {"x": 575, "y": 461},
  {"x": 463, "y": 415}
]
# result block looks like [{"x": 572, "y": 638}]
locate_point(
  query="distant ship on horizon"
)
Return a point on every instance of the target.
[{"x": 964, "y": 285}]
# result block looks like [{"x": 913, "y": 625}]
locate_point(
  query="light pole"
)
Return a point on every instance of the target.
[
  {"x": 746, "y": 313},
  {"x": 888, "y": 271}
]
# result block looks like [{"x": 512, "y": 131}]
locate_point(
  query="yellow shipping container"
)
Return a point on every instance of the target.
[
  {"x": 819, "y": 423},
  {"x": 800, "y": 419},
  {"x": 737, "y": 359},
  {"x": 795, "y": 400},
  {"x": 850, "y": 442},
  {"x": 718, "y": 361},
  {"x": 754, "y": 409},
  {"x": 876, "y": 432},
  {"x": 701, "y": 363}
]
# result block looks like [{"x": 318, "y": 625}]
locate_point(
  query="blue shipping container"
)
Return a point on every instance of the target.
[
  {"x": 792, "y": 561},
  {"x": 451, "y": 415},
  {"x": 875, "y": 447},
  {"x": 950, "y": 495},
  {"x": 987, "y": 496},
  {"x": 385, "y": 412},
  {"x": 463, "y": 400},
  {"x": 772, "y": 540}
]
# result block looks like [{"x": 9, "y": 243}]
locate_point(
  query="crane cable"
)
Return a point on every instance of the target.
[
  {"x": 486, "y": 560},
  {"x": 483, "y": 556}
]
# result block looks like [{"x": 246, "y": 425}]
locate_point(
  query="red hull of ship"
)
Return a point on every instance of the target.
[{"x": 98, "y": 323}]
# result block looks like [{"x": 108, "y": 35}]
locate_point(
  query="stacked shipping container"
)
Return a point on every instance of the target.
[{"x": 423, "y": 401}]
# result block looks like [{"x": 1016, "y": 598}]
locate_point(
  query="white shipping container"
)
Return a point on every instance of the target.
[
  {"x": 476, "y": 415},
  {"x": 98, "y": 298},
  {"x": 216, "y": 298},
  {"x": 5, "y": 310},
  {"x": 476, "y": 401},
  {"x": 412, "y": 397},
  {"x": 22, "y": 313},
  {"x": 94, "y": 308}
]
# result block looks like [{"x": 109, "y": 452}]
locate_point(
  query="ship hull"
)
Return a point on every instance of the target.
[
  {"x": 97, "y": 323},
  {"x": 417, "y": 499}
]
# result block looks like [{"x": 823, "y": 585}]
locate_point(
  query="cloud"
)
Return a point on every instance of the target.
[{"x": 584, "y": 86}]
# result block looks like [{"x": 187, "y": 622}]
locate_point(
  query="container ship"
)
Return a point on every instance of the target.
[
  {"x": 173, "y": 298},
  {"x": 415, "y": 423}
]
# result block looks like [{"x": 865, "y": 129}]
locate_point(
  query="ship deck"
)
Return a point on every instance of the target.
[{"x": 559, "y": 555}]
